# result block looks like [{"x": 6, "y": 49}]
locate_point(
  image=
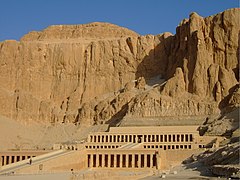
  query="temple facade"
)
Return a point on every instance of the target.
[
  {"x": 141, "y": 147},
  {"x": 153, "y": 148}
]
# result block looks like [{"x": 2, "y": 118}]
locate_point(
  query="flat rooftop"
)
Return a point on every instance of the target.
[{"x": 154, "y": 129}]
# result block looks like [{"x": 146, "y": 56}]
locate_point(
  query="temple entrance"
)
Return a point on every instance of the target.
[{"x": 139, "y": 138}]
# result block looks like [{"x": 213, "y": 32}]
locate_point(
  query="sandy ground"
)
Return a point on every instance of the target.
[
  {"x": 59, "y": 176},
  {"x": 193, "y": 172},
  {"x": 15, "y": 135}
]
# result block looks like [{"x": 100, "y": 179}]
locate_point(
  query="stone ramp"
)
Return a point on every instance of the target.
[
  {"x": 38, "y": 159},
  {"x": 130, "y": 146}
]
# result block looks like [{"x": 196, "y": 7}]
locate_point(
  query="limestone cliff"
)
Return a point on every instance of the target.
[{"x": 100, "y": 73}]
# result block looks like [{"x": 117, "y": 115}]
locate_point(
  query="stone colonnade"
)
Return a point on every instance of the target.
[
  {"x": 9, "y": 157},
  {"x": 122, "y": 160},
  {"x": 136, "y": 138},
  {"x": 14, "y": 158}
]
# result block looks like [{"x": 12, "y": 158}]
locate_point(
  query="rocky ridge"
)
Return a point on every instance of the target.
[
  {"x": 223, "y": 161},
  {"x": 102, "y": 73}
]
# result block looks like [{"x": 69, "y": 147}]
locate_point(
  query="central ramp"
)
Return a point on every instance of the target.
[{"x": 130, "y": 146}]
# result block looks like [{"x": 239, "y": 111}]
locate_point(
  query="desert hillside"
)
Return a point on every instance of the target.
[{"x": 100, "y": 73}]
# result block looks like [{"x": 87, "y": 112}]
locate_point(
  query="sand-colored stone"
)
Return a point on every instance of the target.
[
  {"x": 175, "y": 86},
  {"x": 78, "y": 73},
  {"x": 96, "y": 30}
]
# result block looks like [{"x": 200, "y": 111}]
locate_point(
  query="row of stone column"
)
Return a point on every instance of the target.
[
  {"x": 165, "y": 147},
  {"x": 121, "y": 160},
  {"x": 141, "y": 138},
  {"x": 5, "y": 160}
]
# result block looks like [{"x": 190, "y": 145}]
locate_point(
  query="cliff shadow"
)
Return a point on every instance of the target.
[
  {"x": 223, "y": 105},
  {"x": 201, "y": 168},
  {"x": 118, "y": 116},
  {"x": 154, "y": 65}
]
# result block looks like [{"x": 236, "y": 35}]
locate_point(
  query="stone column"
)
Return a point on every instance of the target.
[
  {"x": 121, "y": 161},
  {"x": 10, "y": 159},
  {"x": 133, "y": 160},
  {"x": 115, "y": 160},
  {"x": 127, "y": 160},
  {"x": 145, "y": 160},
  {"x": 5, "y": 160},
  {"x": 91, "y": 161},
  {"x": 182, "y": 138},
  {"x": 97, "y": 160},
  {"x": 150, "y": 140},
  {"x": 109, "y": 160},
  {"x": 1, "y": 161},
  {"x": 158, "y": 160},
  {"x": 139, "y": 160},
  {"x": 151, "y": 160},
  {"x": 136, "y": 139}
]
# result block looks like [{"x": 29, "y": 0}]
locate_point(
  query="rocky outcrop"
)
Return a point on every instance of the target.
[
  {"x": 206, "y": 49},
  {"x": 72, "y": 32},
  {"x": 231, "y": 171},
  {"x": 99, "y": 72},
  {"x": 223, "y": 161}
]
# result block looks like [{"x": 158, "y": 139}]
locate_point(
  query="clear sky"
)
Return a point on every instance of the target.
[{"x": 18, "y": 17}]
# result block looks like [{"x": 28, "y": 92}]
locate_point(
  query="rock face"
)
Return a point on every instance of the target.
[
  {"x": 223, "y": 161},
  {"x": 93, "y": 31},
  {"x": 100, "y": 73}
]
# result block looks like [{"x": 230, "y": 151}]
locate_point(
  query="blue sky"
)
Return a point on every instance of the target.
[{"x": 18, "y": 17}]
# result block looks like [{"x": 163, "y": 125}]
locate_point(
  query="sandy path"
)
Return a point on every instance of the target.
[{"x": 59, "y": 176}]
